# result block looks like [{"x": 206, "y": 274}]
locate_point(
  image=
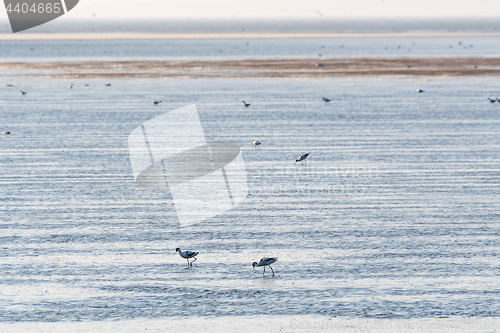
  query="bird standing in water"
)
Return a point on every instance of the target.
[
  {"x": 256, "y": 143},
  {"x": 187, "y": 255},
  {"x": 265, "y": 262},
  {"x": 302, "y": 158}
]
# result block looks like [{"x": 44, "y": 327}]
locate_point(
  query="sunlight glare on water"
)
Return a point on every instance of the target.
[{"x": 394, "y": 215}]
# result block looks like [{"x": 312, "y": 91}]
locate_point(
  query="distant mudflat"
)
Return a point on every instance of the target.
[{"x": 258, "y": 67}]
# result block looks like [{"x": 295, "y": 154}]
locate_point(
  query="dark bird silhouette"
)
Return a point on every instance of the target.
[
  {"x": 156, "y": 102},
  {"x": 246, "y": 104},
  {"x": 23, "y": 92},
  {"x": 326, "y": 99},
  {"x": 420, "y": 90}
]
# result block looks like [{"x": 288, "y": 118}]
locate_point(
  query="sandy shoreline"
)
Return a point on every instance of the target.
[
  {"x": 152, "y": 36},
  {"x": 275, "y": 67}
]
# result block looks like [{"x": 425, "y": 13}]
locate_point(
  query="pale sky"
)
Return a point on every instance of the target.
[{"x": 141, "y": 9}]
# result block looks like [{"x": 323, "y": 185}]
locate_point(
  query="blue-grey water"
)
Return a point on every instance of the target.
[
  {"x": 395, "y": 215},
  {"x": 262, "y": 25},
  {"x": 240, "y": 48}
]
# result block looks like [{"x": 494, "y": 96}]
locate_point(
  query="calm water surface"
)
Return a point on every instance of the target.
[
  {"x": 241, "y": 48},
  {"x": 396, "y": 214}
]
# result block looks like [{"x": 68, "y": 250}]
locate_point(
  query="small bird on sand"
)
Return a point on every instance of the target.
[
  {"x": 108, "y": 84},
  {"x": 326, "y": 99},
  {"x": 302, "y": 158},
  {"x": 265, "y": 262},
  {"x": 187, "y": 255},
  {"x": 5, "y": 132},
  {"x": 71, "y": 86},
  {"x": 10, "y": 85},
  {"x": 420, "y": 91},
  {"x": 492, "y": 100},
  {"x": 23, "y": 92},
  {"x": 156, "y": 102},
  {"x": 256, "y": 143},
  {"x": 246, "y": 104}
]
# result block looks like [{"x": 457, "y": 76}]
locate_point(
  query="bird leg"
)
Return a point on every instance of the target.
[
  {"x": 193, "y": 261},
  {"x": 264, "y": 271},
  {"x": 271, "y": 269},
  {"x": 188, "y": 262}
]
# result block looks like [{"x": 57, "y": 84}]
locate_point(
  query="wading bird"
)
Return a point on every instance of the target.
[
  {"x": 187, "y": 255},
  {"x": 302, "y": 158},
  {"x": 326, "y": 99},
  {"x": 265, "y": 262},
  {"x": 23, "y": 92},
  {"x": 492, "y": 100},
  {"x": 246, "y": 104},
  {"x": 156, "y": 102},
  {"x": 256, "y": 143},
  {"x": 420, "y": 91}
]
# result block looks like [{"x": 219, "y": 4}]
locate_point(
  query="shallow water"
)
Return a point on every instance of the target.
[
  {"x": 263, "y": 25},
  {"x": 241, "y": 48},
  {"x": 394, "y": 216}
]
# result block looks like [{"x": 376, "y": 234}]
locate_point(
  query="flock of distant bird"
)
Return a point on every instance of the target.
[
  {"x": 262, "y": 263},
  {"x": 70, "y": 87},
  {"x": 325, "y": 99}
]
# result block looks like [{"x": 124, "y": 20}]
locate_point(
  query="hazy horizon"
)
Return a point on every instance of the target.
[{"x": 226, "y": 9}]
